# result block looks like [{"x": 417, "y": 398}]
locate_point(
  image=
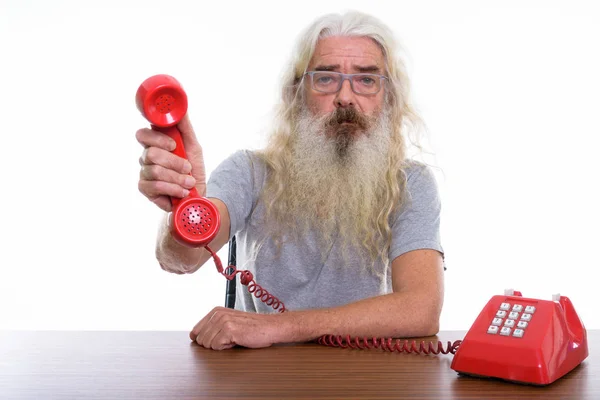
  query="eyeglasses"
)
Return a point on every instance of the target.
[{"x": 331, "y": 82}]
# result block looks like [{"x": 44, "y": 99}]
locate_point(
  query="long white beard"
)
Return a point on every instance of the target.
[{"x": 336, "y": 179}]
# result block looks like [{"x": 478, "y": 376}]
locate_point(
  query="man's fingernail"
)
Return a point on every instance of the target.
[
  {"x": 172, "y": 145},
  {"x": 189, "y": 181},
  {"x": 187, "y": 167},
  {"x": 185, "y": 192}
]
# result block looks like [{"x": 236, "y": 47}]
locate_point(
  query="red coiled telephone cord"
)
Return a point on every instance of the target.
[{"x": 247, "y": 279}]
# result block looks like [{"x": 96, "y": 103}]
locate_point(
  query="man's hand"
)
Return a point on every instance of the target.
[
  {"x": 165, "y": 174},
  {"x": 223, "y": 328}
]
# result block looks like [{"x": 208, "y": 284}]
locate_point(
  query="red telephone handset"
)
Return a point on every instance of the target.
[
  {"x": 195, "y": 219},
  {"x": 163, "y": 102}
]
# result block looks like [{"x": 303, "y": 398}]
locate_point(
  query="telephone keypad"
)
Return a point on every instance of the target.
[{"x": 518, "y": 315}]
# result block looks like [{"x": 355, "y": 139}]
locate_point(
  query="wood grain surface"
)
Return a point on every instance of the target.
[{"x": 166, "y": 365}]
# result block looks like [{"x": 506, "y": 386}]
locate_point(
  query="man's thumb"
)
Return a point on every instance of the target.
[
  {"x": 193, "y": 149},
  {"x": 187, "y": 133}
]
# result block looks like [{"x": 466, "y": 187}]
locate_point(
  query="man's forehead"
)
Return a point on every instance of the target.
[{"x": 362, "y": 51}]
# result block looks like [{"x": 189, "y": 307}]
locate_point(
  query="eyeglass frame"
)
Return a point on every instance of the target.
[{"x": 344, "y": 77}]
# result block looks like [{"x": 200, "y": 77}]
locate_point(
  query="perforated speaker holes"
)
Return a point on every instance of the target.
[
  {"x": 197, "y": 220},
  {"x": 164, "y": 103}
]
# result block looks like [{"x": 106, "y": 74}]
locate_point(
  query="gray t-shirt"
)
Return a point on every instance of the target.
[{"x": 298, "y": 277}]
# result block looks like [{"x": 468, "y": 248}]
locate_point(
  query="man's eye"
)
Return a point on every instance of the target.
[
  {"x": 324, "y": 79},
  {"x": 368, "y": 81}
]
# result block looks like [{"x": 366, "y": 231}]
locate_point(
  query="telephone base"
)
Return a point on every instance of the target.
[{"x": 523, "y": 340}]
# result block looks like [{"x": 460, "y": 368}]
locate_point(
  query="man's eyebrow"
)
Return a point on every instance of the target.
[
  {"x": 359, "y": 68},
  {"x": 368, "y": 68},
  {"x": 331, "y": 67}
]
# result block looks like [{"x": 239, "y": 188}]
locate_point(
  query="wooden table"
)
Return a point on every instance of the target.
[{"x": 166, "y": 365}]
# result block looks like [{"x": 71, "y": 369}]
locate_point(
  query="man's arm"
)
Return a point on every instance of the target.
[
  {"x": 412, "y": 310},
  {"x": 180, "y": 259}
]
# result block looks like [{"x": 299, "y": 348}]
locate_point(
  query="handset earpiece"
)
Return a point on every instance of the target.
[{"x": 163, "y": 102}]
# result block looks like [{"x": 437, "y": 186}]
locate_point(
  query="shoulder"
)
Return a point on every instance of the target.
[
  {"x": 240, "y": 167},
  {"x": 246, "y": 159},
  {"x": 242, "y": 156},
  {"x": 419, "y": 177}
]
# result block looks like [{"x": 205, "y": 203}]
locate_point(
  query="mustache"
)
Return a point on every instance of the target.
[{"x": 349, "y": 115}]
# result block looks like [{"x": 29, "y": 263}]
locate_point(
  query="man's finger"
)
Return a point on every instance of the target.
[
  {"x": 222, "y": 341},
  {"x": 156, "y": 172},
  {"x": 158, "y": 156},
  {"x": 150, "y": 138},
  {"x": 153, "y": 189},
  {"x": 201, "y": 324},
  {"x": 186, "y": 129},
  {"x": 206, "y": 339}
]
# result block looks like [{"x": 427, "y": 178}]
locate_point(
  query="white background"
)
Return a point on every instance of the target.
[{"x": 510, "y": 92}]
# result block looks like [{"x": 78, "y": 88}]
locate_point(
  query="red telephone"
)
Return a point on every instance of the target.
[
  {"x": 523, "y": 340},
  {"x": 514, "y": 338}
]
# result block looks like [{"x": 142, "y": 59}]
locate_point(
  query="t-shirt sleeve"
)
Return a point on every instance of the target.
[
  {"x": 232, "y": 182},
  {"x": 418, "y": 224}
]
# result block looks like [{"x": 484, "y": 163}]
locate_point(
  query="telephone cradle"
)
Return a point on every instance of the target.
[{"x": 523, "y": 340}]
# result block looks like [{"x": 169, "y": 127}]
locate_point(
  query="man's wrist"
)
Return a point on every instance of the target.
[{"x": 299, "y": 326}]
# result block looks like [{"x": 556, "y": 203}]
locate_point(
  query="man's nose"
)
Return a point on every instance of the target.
[{"x": 345, "y": 97}]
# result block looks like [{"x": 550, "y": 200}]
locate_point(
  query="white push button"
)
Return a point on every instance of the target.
[
  {"x": 505, "y": 306},
  {"x": 522, "y": 324},
  {"x": 497, "y": 321},
  {"x": 518, "y": 333},
  {"x": 513, "y": 315},
  {"x": 501, "y": 314},
  {"x": 530, "y": 309},
  {"x": 510, "y": 323},
  {"x": 517, "y": 308},
  {"x": 526, "y": 317},
  {"x": 505, "y": 331},
  {"x": 493, "y": 329}
]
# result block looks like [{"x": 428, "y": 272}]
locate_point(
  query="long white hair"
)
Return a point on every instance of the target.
[{"x": 403, "y": 122}]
